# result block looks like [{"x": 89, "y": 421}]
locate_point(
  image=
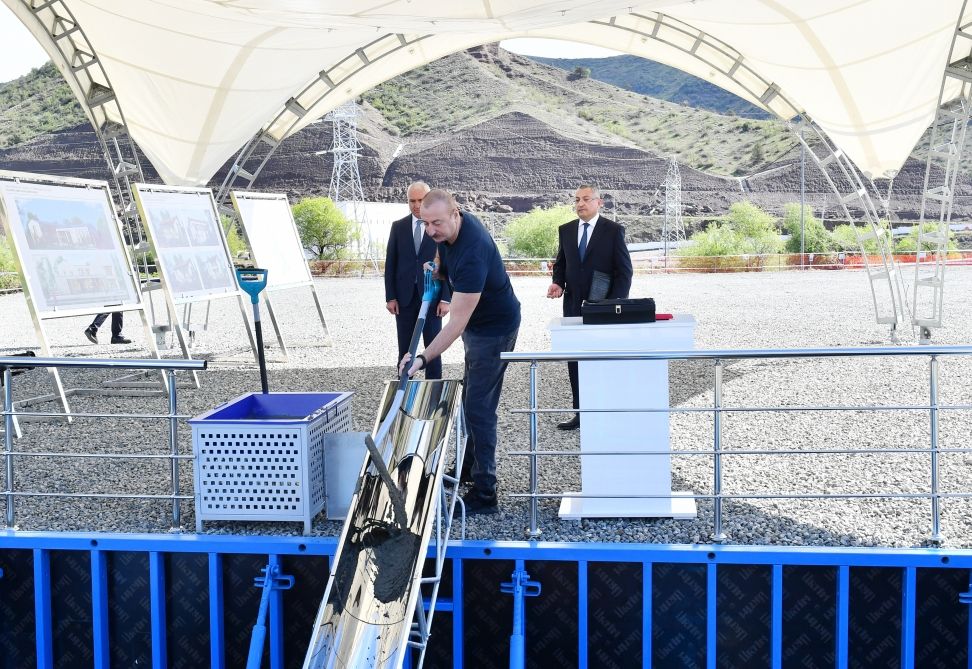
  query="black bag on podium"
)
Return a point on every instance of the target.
[{"x": 611, "y": 312}]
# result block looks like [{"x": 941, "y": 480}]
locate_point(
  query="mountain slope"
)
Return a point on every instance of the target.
[
  {"x": 466, "y": 87},
  {"x": 36, "y": 103},
  {"x": 657, "y": 80}
]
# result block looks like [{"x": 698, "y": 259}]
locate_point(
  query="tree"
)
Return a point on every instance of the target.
[
  {"x": 756, "y": 156},
  {"x": 323, "y": 229},
  {"x": 580, "y": 73},
  {"x": 817, "y": 239},
  {"x": 756, "y": 229},
  {"x": 534, "y": 235}
]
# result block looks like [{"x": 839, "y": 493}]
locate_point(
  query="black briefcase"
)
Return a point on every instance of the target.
[{"x": 610, "y": 312}]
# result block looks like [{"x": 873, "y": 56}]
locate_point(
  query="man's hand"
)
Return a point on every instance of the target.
[
  {"x": 392, "y": 306},
  {"x": 554, "y": 291},
  {"x": 414, "y": 367},
  {"x": 442, "y": 310}
]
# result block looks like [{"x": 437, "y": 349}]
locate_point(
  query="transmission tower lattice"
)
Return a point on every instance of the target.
[
  {"x": 673, "y": 232},
  {"x": 345, "y": 177}
]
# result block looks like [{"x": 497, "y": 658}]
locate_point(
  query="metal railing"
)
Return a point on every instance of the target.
[
  {"x": 168, "y": 368},
  {"x": 718, "y": 411}
]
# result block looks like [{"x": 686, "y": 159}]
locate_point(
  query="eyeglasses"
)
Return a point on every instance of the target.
[{"x": 585, "y": 200}]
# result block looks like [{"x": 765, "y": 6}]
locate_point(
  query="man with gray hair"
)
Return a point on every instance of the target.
[
  {"x": 486, "y": 314},
  {"x": 409, "y": 248}
]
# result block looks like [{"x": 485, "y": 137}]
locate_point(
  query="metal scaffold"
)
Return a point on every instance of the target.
[{"x": 945, "y": 145}]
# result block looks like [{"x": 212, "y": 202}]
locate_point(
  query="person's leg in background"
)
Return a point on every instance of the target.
[
  {"x": 574, "y": 421},
  {"x": 405, "y": 324},
  {"x": 117, "y": 322},
  {"x": 91, "y": 332}
]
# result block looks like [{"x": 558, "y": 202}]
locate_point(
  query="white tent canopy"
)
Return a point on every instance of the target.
[{"x": 196, "y": 79}]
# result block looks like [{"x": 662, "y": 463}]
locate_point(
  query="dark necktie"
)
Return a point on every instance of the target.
[
  {"x": 417, "y": 234},
  {"x": 582, "y": 247}
]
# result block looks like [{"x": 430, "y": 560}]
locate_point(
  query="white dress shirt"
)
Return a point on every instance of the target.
[{"x": 590, "y": 228}]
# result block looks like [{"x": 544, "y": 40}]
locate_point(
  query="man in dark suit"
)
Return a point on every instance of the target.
[
  {"x": 587, "y": 245},
  {"x": 408, "y": 249}
]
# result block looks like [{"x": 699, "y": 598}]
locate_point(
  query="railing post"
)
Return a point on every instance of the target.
[
  {"x": 936, "y": 536},
  {"x": 8, "y": 431},
  {"x": 718, "y": 535},
  {"x": 533, "y": 531},
  {"x": 170, "y": 382}
]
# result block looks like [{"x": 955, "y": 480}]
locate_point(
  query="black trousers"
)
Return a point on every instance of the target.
[
  {"x": 572, "y": 373},
  {"x": 117, "y": 320},
  {"x": 405, "y": 324}
]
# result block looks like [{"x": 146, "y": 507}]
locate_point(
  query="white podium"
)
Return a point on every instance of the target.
[{"x": 625, "y": 385}]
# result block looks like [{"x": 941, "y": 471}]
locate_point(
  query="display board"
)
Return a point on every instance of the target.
[
  {"x": 268, "y": 224},
  {"x": 71, "y": 252},
  {"x": 189, "y": 242}
]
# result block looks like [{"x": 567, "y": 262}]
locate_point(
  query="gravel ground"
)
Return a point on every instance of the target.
[{"x": 781, "y": 310}]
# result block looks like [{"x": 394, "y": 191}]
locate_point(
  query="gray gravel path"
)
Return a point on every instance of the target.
[{"x": 811, "y": 309}]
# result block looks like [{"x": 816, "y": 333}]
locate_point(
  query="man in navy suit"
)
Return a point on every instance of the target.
[
  {"x": 408, "y": 249},
  {"x": 587, "y": 244}
]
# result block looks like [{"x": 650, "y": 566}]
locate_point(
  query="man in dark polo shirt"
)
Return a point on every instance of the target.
[{"x": 486, "y": 314}]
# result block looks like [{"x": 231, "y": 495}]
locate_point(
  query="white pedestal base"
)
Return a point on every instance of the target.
[
  {"x": 624, "y": 412},
  {"x": 680, "y": 507}
]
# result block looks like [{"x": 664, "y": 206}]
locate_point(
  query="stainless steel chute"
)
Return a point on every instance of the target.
[{"x": 365, "y": 618}]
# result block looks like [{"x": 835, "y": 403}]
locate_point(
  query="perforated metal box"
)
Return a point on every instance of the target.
[{"x": 261, "y": 457}]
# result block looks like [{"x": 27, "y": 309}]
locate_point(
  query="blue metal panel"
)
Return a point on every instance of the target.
[
  {"x": 158, "y": 548},
  {"x": 157, "y": 596},
  {"x": 216, "y": 655},
  {"x": 908, "y": 619},
  {"x": 457, "y": 614},
  {"x": 777, "y": 625},
  {"x": 843, "y": 609},
  {"x": 276, "y": 622},
  {"x": 582, "y": 614},
  {"x": 42, "y": 608},
  {"x": 99, "y": 609},
  {"x": 710, "y": 615},
  {"x": 646, "y": 614}
]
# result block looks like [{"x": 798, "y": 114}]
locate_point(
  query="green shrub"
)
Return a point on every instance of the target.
[
  {"x": 818, "y": 240},
  {"x": 7, "y": 264},
  {"x": 534, "y": 235},
  {"x": 323, "y": 228},
  {"x": 909, "y": 243},
  {"x": 757, "y": 230},
  {"x": 716, "y": 240},
  {"x": 234, "y": 239},
  {"x": 845, "y": 239}
]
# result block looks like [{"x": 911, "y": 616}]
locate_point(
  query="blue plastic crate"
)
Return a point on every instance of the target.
[{"x": 261, "y": 457}]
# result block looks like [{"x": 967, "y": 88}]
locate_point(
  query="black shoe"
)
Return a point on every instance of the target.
[
  {"x": 571, "y": 424},
  {"x": 92, "y": 334},
  {"x": 466, "y": 476},
  {"x": 477, "y": 503},
  {"x": 120, "y": 340}
]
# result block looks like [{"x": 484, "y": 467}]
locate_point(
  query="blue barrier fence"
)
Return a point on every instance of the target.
[{"x": 189, "y": 600}]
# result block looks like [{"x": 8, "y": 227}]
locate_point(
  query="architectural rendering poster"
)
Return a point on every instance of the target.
[
  {"x": 189, "y": 242},
  {"x": 69, "y": 245},
  {"x": 272, "y": 234}
]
